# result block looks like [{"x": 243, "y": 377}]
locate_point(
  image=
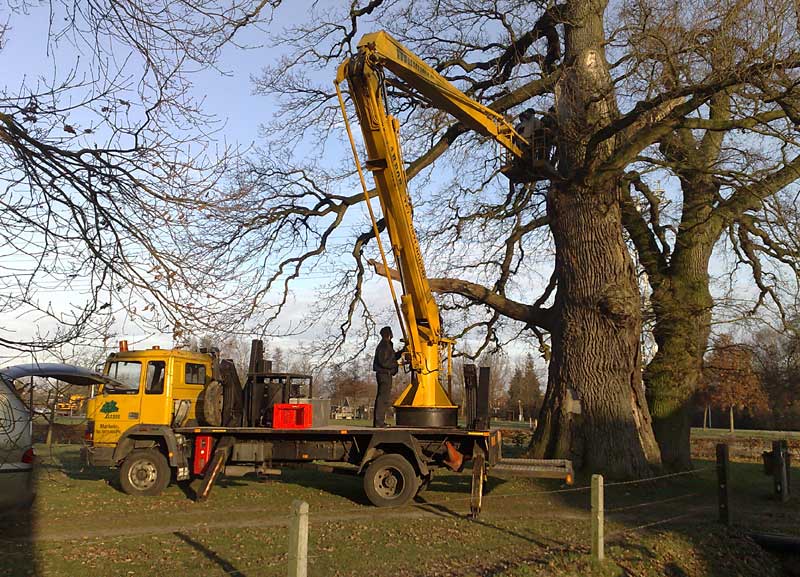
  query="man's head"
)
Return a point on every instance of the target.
[
  {"x": 386, "y": 332},
  {"x": 527, "y": 114}
]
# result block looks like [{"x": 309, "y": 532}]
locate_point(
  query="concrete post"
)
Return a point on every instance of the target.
[
  {"x": 598, "y": 507},
  {"x": 298, "y": 540}
]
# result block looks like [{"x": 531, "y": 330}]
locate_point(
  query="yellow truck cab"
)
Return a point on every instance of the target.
[{"x": 130, "y": 422}]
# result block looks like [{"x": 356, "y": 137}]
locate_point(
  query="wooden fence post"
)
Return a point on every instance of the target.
[
  {"x": 723, "y": 484},
  {"x": 298, "y": 540},
  {"x": 780, "y": 469},
  {"x": 598, "y": 547}
]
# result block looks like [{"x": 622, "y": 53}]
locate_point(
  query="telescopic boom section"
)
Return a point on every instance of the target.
[{"x": 424, "y": 402}]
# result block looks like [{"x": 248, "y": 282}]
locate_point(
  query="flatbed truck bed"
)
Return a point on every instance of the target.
[
  {"x": 332, "y": 430},
  {"x": 396, "y": 462}
]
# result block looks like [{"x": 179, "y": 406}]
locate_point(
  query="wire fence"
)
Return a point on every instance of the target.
[
  {"x": 623, "y": 532},
  {"x": 579, "y": 489}
]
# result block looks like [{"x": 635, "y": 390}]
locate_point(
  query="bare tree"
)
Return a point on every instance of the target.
[
  {"x": 107, "y": 166},
  {"x": 777, "y": 363},
  {"x": 732, "y": 157}
]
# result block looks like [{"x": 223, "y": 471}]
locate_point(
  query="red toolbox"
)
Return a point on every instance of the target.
[{"x": 291, "y": 416}]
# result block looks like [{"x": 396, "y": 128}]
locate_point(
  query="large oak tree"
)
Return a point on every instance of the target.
[{"x": 732, "y": 159}]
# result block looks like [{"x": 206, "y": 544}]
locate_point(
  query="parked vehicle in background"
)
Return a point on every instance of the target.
[
  {"x": 16, "y": 443},
  {"x": 71, "y": 405},
  {"x": 16, "y": 449}
]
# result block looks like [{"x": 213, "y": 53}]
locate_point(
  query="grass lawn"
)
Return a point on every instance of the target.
[
  {"x": 700, "y": 433},
  {"x": 82, "y": 525}
]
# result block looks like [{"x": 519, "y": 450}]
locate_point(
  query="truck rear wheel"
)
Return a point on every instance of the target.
[
  {"x": 144, "y": 472},
  {"x": 390, "y": 481}
]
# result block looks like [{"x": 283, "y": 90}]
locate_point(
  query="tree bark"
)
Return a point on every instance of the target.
[
  {"x": 683, "y": 321},
  {"x": 682, "y": 305},
  {"x": 597, "y": 318},
  {"x": 598, "y": 321}
]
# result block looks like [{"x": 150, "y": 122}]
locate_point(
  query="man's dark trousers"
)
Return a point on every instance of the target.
[{"x": 382, "y": 399}]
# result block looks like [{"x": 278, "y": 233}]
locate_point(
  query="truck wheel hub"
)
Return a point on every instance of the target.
[
  {"x": 388, "y": 483},
  {"x": 142, "y": 475}
]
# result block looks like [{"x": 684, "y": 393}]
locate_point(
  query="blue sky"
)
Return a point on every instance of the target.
[
  {"x": 24, "y": 58},
  {"x": 228, "y": 95}
]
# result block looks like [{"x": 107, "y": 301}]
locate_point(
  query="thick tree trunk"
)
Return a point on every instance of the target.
[
  {"x": 682, "y": 305},
  {"x": 595, "y": 340},
  {"x": 595, "y": 356},
  {"x": 683, "y": 321}
]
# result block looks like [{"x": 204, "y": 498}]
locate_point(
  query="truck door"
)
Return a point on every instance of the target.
[
  {"x": 117, "y": 408},
  {"x": 188, "y": 382},
  {"x": 156, "y": 409}
]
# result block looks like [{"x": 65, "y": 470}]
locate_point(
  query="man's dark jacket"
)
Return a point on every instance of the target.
[{"x": 385, "y": 360}]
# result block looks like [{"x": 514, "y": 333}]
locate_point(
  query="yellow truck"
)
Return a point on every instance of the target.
[
  {"x": 148, "y": 423},
  {"x": 147, "y": 420}
]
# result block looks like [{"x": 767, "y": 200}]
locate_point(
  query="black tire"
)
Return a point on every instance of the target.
[
  {"x": 144, "y": 472},
  {"x": 390, "y": 481}
]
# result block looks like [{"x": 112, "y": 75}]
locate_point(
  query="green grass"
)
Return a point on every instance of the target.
[
  {"x": 744, "y": 434},
  {"x": 82, "y": 525},
  {"x": 77, "y": 420}
]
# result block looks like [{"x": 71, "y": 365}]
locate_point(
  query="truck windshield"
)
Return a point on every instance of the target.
[{"x": 127, "y": 374}]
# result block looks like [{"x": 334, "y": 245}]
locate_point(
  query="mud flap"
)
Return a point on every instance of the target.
[{"x": 215, "y": 467}]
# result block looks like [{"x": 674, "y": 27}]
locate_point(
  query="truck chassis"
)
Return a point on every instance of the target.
[{"x": 396, "y": 463}]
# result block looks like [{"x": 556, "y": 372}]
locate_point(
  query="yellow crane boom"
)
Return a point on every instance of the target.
[{"x": 424, "y": 402}]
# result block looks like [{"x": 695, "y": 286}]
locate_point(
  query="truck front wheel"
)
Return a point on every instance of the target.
[
  {"x": 144, "y": 472},
  {"x": 390, "y": 481}
]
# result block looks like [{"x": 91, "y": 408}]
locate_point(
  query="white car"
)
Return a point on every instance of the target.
[
  {"x": 16, "y": 446},
  {"x": 16, "y": 449}
]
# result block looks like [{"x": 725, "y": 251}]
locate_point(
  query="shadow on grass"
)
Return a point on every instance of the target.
[
  {"x": 227, "y": 567},
  {"x": 17, "y": 547},
  {"x": 187, "y": 489},
  {"x": 462, "y": 482},
  {"x": 443, "y": 510},
  {"x": 341, "y": 484},
  {"x": 66, "y": 459},
  {"x": 673, "y": 523}
]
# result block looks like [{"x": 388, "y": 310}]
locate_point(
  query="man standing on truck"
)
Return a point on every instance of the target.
[{"x": 385, "y": 366}]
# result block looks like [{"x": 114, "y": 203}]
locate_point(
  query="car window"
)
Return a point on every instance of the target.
[
  {"x": 127, "y": 374},
  {"x": 155, "y": 377},
  {"x": 195, "y": 374}
]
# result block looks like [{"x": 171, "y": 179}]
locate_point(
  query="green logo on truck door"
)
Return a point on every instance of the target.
[{"x": 108, "y": 408}]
